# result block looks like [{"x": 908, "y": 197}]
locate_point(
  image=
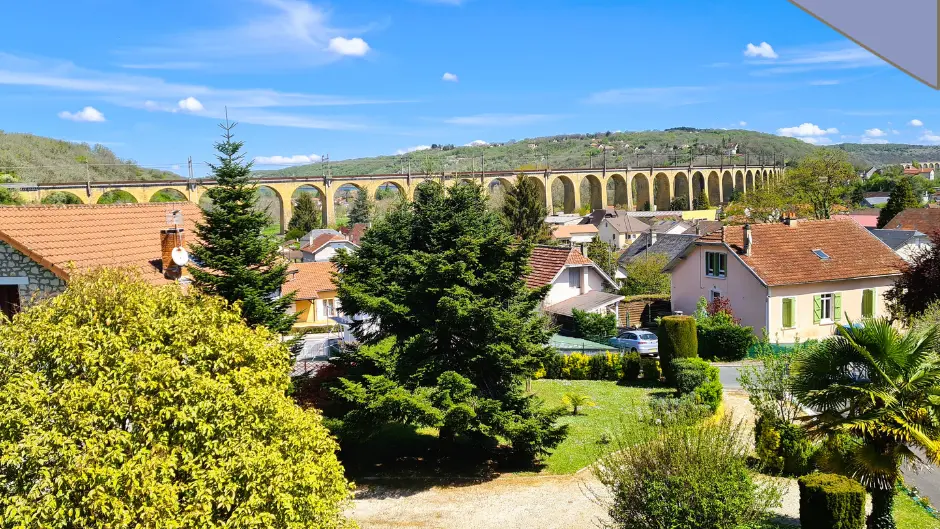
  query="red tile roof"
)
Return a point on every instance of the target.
[
  {"x": 356, "y": 232},
  {"x": 88, "y": 236},
  {"x": 924, "y": 220},
  {"x": 321, "y": 240},
  {"x": 783, "y": 255},
  {"x": 566, "y": 231},
  {"x": 307, "y": 280},
  {"x": 547, "y": 261}
]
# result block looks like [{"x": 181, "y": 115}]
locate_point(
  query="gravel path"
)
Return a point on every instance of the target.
[
  {"x": 508, "y": 502},
  {"x": 513, "y": 501}
]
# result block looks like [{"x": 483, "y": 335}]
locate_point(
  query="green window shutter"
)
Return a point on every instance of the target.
[
  {"x": 837, "y": 306},
  {"x": 868, "y": 303},
  {"x": 787, "y": 313},
  {"x": 817, "y": 309}
]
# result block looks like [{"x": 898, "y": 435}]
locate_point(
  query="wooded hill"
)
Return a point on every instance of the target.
[
  {"x": 39, "y": 159},
  {"x": 637, "y": 149}
]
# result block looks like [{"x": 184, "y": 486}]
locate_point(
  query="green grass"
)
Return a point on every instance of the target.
[
  {"x": 612, "y": 413},
  {"x": 909, "y": 515}
]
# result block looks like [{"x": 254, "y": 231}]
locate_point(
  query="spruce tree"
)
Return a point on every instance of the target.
[
  {"x": 307, "y": 214},
  {"x": 902, "y": 197},
  {"x": 362, "y": 209},
  {"x": 524, "y": 210},
  {"x": 236, "y": 260}
]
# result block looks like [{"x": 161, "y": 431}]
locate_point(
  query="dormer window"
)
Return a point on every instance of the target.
[{"x": 821, "y": 254}]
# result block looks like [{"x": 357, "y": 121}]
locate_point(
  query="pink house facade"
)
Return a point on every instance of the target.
[{"x": 797, "y": 280}]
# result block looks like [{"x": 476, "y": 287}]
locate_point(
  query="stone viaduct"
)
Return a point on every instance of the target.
[{"x": 631, "y": 188}]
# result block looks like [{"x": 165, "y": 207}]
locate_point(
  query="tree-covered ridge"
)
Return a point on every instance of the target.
[
  {"x": 38, "y": 159},
  {"x": 636, "y": 149}
]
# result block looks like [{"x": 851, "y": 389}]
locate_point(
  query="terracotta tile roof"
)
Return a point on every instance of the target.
[
  {"x": 924, "y": 220},
  {"x": 321, "y": 240},
  {"x": 90, "y": 236},
  {"x": 864, "y": 220},
  {"x": 547, "y": 261},
  {"x": 783, "y": 255},
  {"x": 356, "y": 232},
  {"x": 567, "y": 230},
  {"x": 307, "y": 280}
]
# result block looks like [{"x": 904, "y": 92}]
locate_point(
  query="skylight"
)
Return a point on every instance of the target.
[{"x": 821, "y": 254}]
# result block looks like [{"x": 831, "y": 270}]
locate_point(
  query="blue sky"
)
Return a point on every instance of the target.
[{"x": 358, "y": 78}]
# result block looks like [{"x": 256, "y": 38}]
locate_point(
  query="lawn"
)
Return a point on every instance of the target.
[
  {"x": 613, "y": 411},
  {"x": 909, "y": 515}
]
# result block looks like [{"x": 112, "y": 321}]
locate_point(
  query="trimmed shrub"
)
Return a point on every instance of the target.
[
  {"x": 605, "y": 367},
  {"x": 630, "y": 366},
  {"x": 831, "y": 501},
  {"x": 677, "y": 339},
  {"x": 784, "y": 448},
  {"x": 575, "y": 366},
  {"x": 695, "y": 376},
  {"x": 553, "y": 366},
  {"x": 724, "y": 342},
  {"x": 651, "y": 369}
]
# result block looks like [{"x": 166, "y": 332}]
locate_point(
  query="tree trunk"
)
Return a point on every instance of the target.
[{"x": 882, "y": 502}]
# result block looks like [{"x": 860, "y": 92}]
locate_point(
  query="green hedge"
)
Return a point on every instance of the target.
[
  {"x": 830, "y": 501},
  {"x": 724, "y": 342},
  {"x": 607, "y": 366},
  {"x": 631, "y": 366},
  {"x": 677, "y": 339},
  {"x": 694, "y": 376}
]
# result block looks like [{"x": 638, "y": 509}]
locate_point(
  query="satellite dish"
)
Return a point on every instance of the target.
[{"x": 180, "y": 256}]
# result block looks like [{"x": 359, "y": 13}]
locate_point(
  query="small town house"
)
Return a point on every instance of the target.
[
  {"x": 797, "y": 280},
  {"x": 576, "y": 283}
]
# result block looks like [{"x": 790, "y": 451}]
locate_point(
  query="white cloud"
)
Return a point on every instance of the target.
[
  {"x": 90, "y": 114},
  {"x": 476, "y": 143},
  {"x": 157, "y": 95},
  {"x": 413, "y": 149},
  {"x": 875, "y": 133},
  {"x": 190, "y": 104},
  {"x": 272, "y": 34},
  {"x": 296, "y": 159},
  {"x": 762, "y": 50},
  {"x": 824, "y": 82},
  {"x": 742, "y": 123},
  {"x": 916, "y": 123},
  {"x": 354, "y": 47},
  {"x": 452, "y": 77},
  {"x": 664, "y": 95},
  {"x": 806, "y": 130},
  {"x": 498, "y": 120},
  {"x": 874, "y": 141},
  {"x": 818, "y": 58},
  {"x": 814, "y": 140},
  {"x": 930, "y": 137}
]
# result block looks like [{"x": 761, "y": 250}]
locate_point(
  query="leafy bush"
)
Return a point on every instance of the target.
[
  {"x": 575, "y": 366},
  {"x": 651, "y": 369},
  {"x": 678, "y": 410},
  {"x": 677, "y": 339},
  {"x": 630, "y": 363},
  {"x": 695, "y": 376},
  {"x": 686, "y": 477},
  {"x": 592, "y": 326},
  {"x": 553, "y": 366},
  {"x": 830, "y": 501},
  {"x": 607, "y": 366},
  {"x": 724, "y": 342},
  {"x": 784, "y": 448},
  {"x": 123, "y": 404}
]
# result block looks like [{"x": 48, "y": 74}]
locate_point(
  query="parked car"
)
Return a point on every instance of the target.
[{"x": 643, "y": 342}]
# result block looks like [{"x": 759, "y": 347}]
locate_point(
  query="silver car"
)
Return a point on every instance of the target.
[{"x": 643, "y": 342}]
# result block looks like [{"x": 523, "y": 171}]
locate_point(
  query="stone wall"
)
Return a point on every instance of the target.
[{"x": 41, "y": 281}]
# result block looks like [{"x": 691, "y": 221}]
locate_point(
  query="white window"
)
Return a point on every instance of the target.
[
  {"x": 825, "y": 308},
  {"x": 716, "y": 264},
  {"x": 329, "y": 308},
  {"x": 574, "y": 277},
  {"x": 714, "y": 295}
]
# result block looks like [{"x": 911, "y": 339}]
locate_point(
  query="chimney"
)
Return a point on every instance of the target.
[
  {"x": 790, "y": 221},
  {"x": 170, "y": 238},
  {"x": 653, "y": 237},
  {"x": 584, "y": 249},
  {"x": 748, "y": 241}
]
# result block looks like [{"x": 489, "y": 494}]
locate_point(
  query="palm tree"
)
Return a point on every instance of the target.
[
  {"x": 576, "y": 400},
  {"x": 881, "y": 387}
]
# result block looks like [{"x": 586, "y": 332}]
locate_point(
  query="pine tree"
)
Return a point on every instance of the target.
[
  {"x": 236, "y": 260},
  {"x": 362, "y": 209},
  {"x": 524, "y": 210},
  {"x": 902, "y": 197},
  {"x": 307, "y": 214}
]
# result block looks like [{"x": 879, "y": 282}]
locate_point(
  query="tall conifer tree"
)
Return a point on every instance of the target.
[
  {"x": 524, "y": 210},
  {"x": 902, "y": 197},
  {"x": 362, "y": 209},
  {"x": 236, "y": 260},
  {"x": 307, "y": 214}
]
